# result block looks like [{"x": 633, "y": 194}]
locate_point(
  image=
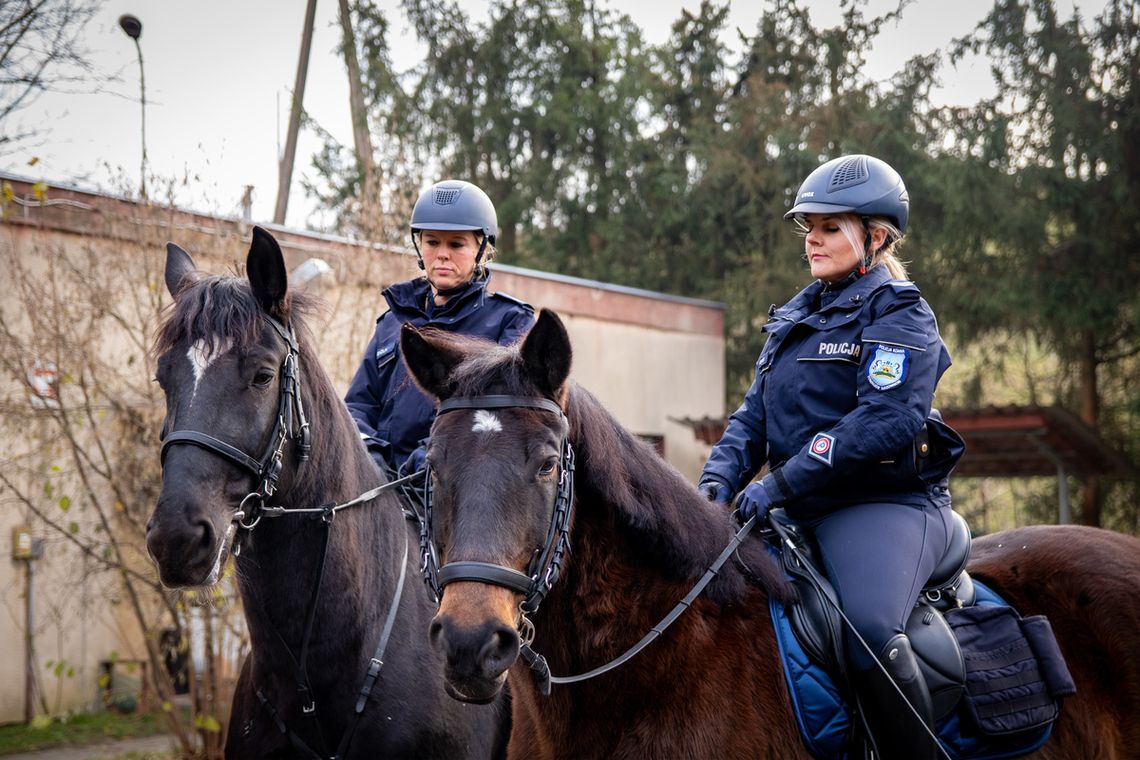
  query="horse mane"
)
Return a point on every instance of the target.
[
  {"x": 223, "y": 306},
  {"x": 673, "y": 526}
]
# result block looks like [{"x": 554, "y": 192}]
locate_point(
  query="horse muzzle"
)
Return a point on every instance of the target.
[
  {"x": 478, "y": 649},
  {"x": 185, "y": 545}
]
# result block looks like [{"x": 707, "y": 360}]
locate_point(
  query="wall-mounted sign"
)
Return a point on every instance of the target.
[
  {"x": 43, "y": 379},
  {"x": 24, "y": 546}
]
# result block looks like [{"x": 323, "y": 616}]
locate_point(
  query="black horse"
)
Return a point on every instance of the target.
[{"x": 320, "y": 588}]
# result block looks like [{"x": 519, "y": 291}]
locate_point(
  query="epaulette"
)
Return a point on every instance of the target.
[
  {"x": 512, "y": 299},
  {"x": 903, "y": 286}
]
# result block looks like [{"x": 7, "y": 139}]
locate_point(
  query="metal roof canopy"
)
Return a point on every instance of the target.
[
  {"x": 1023, "y": 441},
  {"x": 1012, "y": 441}
]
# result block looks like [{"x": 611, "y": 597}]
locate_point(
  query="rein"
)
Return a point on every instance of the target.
[
  {"x": 535, "y": 583},
  {"x": 292, "y": 425},
  {"x": 541, "y": 670}
]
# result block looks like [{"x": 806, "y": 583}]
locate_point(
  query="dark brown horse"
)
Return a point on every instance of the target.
[
  {"x": 711, "y": 687},
  {"x": 232, "y": 379}
]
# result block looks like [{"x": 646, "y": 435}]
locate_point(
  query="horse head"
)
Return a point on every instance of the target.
[
  {"x": 226, "y": 361},
  {"x": 498, "y": 463}
]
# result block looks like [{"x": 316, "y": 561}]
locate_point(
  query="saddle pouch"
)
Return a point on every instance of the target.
[
  {"x": 1049, "y": 659},
  {"x": 1006, "y": 691}
]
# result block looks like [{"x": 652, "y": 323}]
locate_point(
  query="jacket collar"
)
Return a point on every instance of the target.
[
  {"x": 412, "y": 296},
  {"x": 851, "y": 297}
]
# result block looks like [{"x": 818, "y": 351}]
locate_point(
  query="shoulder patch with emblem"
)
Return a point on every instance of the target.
[
  {"x": 822, "y": 448},
  {"x": 888, "y": 366}
]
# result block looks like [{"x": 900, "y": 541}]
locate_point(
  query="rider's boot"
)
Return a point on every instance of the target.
[{"x": 897, "y": 732}]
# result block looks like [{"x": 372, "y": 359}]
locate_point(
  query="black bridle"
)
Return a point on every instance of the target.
[
  {"x": 290, "y": 425},
  {"x": 537, "y": 582},
  {"x": 546, "y": 563}
]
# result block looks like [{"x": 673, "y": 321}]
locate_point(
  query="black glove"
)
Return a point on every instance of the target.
[
  {"x": 756, "y": 500},
  {"x": 715, "y": 490},
  {"x": 415, "y": 462}
]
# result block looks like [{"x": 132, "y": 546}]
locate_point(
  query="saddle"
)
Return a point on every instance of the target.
[{"x": 819, "y": 628}]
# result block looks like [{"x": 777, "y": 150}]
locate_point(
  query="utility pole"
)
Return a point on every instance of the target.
[
  {"x": 362, "y": 140},
  {"x": 285, "y": 169}
]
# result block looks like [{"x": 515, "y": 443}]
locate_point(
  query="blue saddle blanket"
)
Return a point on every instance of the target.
[{"x": 825, "y": 722}]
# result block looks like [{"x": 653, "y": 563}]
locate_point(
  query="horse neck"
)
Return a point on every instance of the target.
[
  {"x": 281, "y": 563},
  {"x": 640, "y": 539}
]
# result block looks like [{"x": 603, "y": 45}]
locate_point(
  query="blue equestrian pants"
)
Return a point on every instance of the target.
[{"x": 878, "y": 557}]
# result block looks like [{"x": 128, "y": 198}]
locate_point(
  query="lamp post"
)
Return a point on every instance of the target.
[{"x": 132, "y": 27}]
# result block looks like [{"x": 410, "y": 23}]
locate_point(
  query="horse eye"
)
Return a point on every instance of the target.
[
  {"x": 263, "y": 378},
  {"x": 548, "y": 466}
]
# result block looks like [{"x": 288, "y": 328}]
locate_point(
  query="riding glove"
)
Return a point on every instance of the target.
[
  {"x": 415, "y": 462},
  {"x": 715, "y": 491},
  {"x": 756, "y": 500}
]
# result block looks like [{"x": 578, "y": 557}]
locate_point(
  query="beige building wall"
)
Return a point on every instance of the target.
[
  {"x": 649, "y": 358},
  {"x": 646, "y": 376}
]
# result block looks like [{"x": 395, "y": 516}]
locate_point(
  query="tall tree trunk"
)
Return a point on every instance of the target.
[
  {"x": 285, "y": 168},
  {"x": 369, "y": 220},
  {"x": 1092, "y": 494}
]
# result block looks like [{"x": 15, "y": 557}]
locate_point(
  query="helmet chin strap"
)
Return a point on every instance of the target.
[{"x": 865, "y": 264}]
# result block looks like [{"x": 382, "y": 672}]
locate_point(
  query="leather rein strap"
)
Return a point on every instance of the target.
[{"x": 541, "y": 670}]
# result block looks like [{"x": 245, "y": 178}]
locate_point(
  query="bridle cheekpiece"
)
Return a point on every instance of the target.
[
  {"x": 546, "y": 564},
  {"x": 291, "y": 424}
]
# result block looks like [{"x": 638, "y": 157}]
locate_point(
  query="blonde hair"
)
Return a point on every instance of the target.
[{"x": 853, "y": 229}]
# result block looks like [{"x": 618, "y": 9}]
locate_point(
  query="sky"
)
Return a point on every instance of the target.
[{"x": 219, "y": 77}]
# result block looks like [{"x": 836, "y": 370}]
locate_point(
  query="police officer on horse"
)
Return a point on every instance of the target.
[
  {"x": 842, "y": 396},
  {"x": 453, "y": 228}
]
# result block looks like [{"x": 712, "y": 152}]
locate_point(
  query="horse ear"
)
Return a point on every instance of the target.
[
  {"x": 265, "y": 267},
  {"x": 179, "y": 267},
  {"x": 430, "y": 359},
  {"x": 546, "y": 354}
]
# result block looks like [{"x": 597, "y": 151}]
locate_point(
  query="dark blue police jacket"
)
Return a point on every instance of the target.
[
  {"x": 392, "y": 414},
  {"x": 844, "y": 386}
]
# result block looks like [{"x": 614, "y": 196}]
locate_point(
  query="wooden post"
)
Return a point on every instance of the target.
[{"x": 285, "y": 168}]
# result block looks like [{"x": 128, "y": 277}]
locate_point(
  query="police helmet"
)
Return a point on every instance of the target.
[
  {"x": 455, "y": 205},
  {"x": 856, "y": 184}
]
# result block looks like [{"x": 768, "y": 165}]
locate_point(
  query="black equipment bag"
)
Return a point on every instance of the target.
[{"x": 1015, "y": 674}]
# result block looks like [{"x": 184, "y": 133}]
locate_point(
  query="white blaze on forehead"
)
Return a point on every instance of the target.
[
  {"x": 485, "y": 422},
  {"x": 201, "y": 357}
]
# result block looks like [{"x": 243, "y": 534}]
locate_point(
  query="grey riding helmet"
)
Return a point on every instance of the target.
[
  {"x": 856, "y": 184},
  {"x": 454, "y": 206}
]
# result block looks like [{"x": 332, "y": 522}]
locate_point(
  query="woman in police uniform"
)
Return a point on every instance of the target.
[
  {"x": 453, "y": 231},
  {"x": 843, "y": 387}
]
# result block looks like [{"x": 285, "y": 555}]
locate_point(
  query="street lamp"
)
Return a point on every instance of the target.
[{"x": 132, "y": 27}]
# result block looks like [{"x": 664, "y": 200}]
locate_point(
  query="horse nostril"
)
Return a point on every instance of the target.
[
  {"x": 435, "y": 632},
  {"x": 500, "y": 650},
  {"x": 206, "y": 531}
]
